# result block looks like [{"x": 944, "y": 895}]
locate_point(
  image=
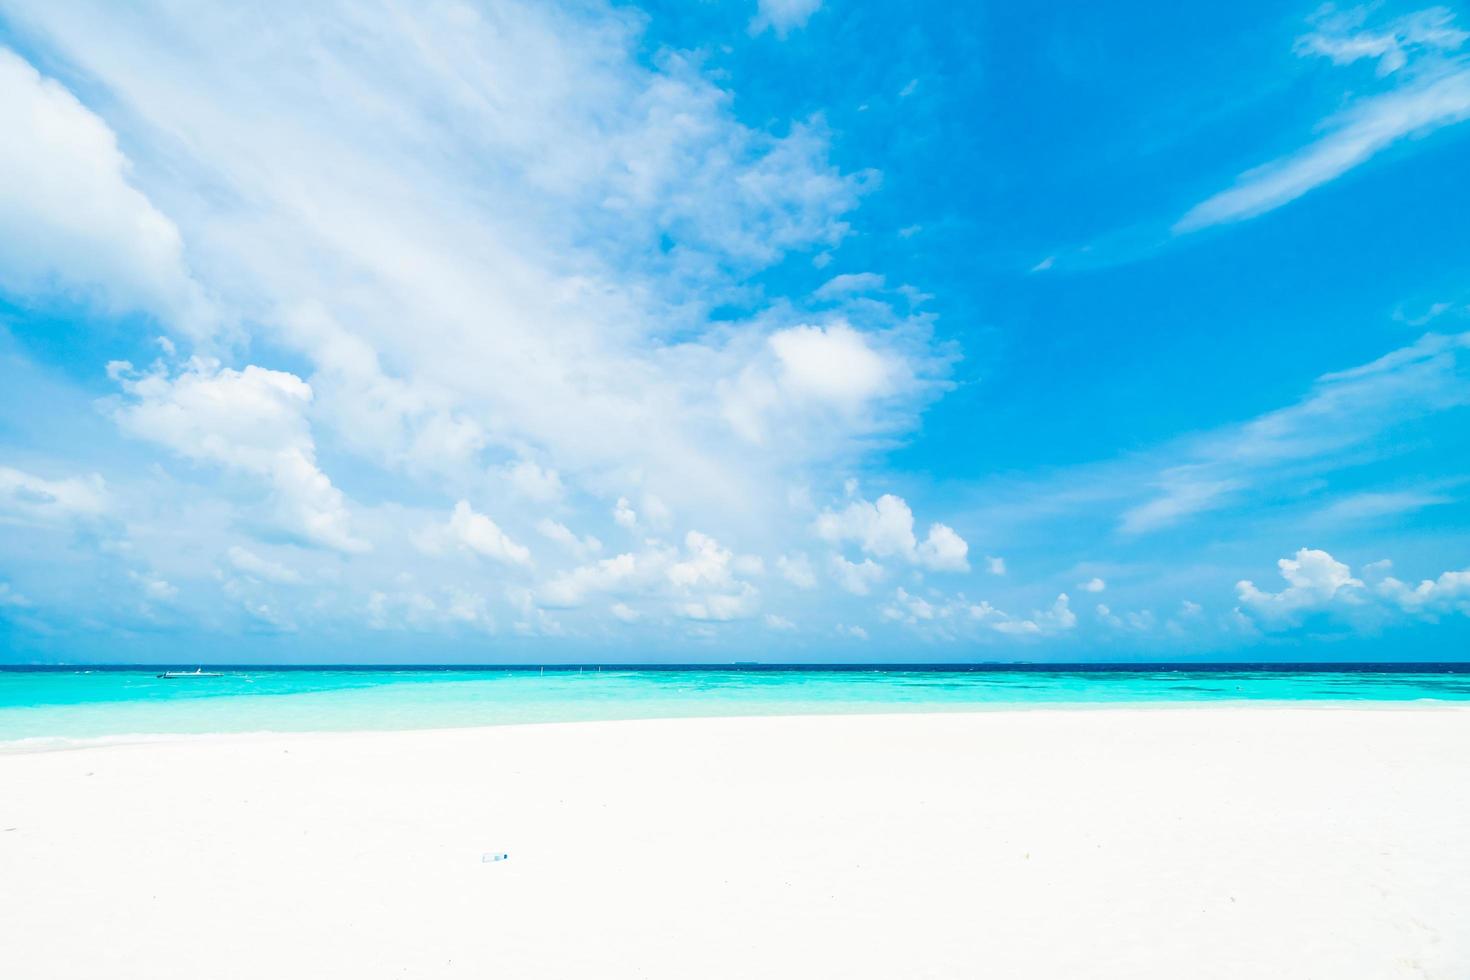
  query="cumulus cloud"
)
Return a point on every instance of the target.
[
  {"x": 1314, "y": 579},
  {"x": 1058, "y": 618},
  {"x": 1093, "y": 584},
  {"x": 819, "y": 389},
  {"x": 995, "y": 565},
  {"x": 1319, "y": 583},
  {"x": 885, "y": 528},
  {"x": 473, "y": 531},
  {"x": 251, "y": 421},
  {"x": 1448, "y": 593},
  {"x": 956, "y": 618},
  {"x": 943, "y": 550},
  {"x": 69, "y": 215},
  {"x": 701, "y": 583},
  {"x": 571, "y": 588},
  {"x": 833, "y": 363}
]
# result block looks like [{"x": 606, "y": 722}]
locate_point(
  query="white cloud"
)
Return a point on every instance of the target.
[
  {"x": 624, "y": 612},
  {"x": 467, "y": 528},
  {"x": 782, "y": 16},
  {"x": 1319, "y": 583},
  {"x": 154, "y": 587},
  {"x": 656, "y": 513},
  {"x": 995, "y": 565},
  {"x": 778, "y": 622},
  {"x": 262, "y": 568},
  {"x": 1093, "y": 584},
  {"x": 708, "y": 564},
  {"x": 1448, "y": 593},
  {"x": 885, "y": 528},
  {"x": 1343, "y": 410},
  {"x": 797, "y": 569},
  {"x": 722, "y": 607},
  {"x": 856, "y": 577},
  {"x": 943, "y": 550},
  {"x": 445, "y": 311},
  {"x": 251, "y": 421},
  {"x": 1429, "y": 100},
  {"x": 29, "y": 499},
  {"x": 833, "y": 364},
  {"x": 908, "y": 608},
  {"x": 700, "y": 584},
  {"x": 1058, "y": 618},
  {"x": 562, "y": 535},
  {"x": 1373, "y": 505},
  {"x": 957, "y": 619},
  {"x": 1340, "y": 37},
  {"x": 1314, "y": 580},
  {"x": 69, "y": 215},
  {"x": 852, "y": 282},
  {"x": 855, "y": 632},
  {"x": 1184, "y": 492},
  {"x": 437, "y": 317},
  {"x": 608, "y": 575},
  {"x": 819, "y": 391},
  {"x": 533, "y": 482},
  {"x": 1138, "y": 621}
]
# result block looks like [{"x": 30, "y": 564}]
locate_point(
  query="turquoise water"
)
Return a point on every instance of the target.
[{"x": 89, "y": 704}]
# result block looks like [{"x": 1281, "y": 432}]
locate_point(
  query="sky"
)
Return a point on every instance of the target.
[{"x": 749, "y": 330}]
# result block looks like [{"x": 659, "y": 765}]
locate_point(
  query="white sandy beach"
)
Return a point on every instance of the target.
[{"x": 1220, "y": 842}]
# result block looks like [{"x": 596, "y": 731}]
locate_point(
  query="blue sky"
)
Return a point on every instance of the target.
[{"x": 790, "y": 330}]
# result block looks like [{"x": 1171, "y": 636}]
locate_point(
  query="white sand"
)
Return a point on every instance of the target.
[{"x": 1239, "y": 843}]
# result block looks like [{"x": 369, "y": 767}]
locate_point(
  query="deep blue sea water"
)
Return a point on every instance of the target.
[{"x": 89, "y": 703}]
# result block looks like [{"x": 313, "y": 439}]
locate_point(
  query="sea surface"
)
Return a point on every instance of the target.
[{"x": 82, "y": 703}]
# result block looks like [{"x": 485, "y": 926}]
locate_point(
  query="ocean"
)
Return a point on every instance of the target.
[{"x": 84, "y": 703}]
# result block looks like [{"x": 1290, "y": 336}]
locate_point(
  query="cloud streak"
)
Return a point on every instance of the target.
[{"x": 1433, "y": 97}]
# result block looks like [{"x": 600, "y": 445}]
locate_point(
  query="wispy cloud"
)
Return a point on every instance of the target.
[
  {"x": 1430, "y": 90},
  {"x": 1345, "y": 409}
]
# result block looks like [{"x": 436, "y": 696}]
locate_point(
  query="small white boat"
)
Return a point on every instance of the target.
[{"x": 197, "y": 672}]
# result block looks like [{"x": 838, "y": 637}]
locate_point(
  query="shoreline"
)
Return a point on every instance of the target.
[{"x": 66, "y": 743}]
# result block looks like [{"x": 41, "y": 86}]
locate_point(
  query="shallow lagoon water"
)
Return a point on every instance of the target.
[{"x": 82, "y": 703}]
